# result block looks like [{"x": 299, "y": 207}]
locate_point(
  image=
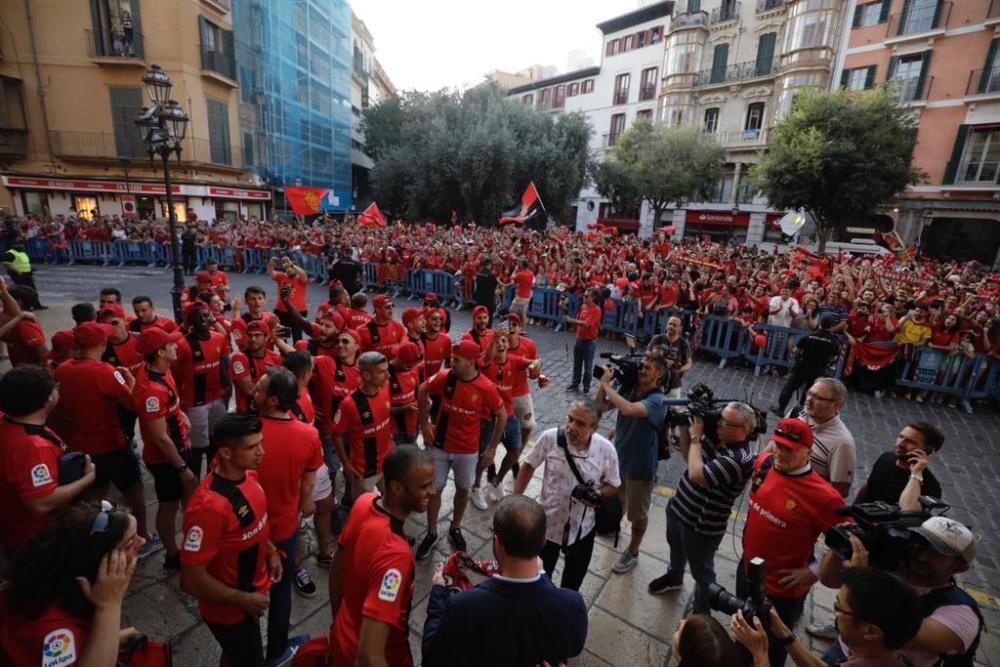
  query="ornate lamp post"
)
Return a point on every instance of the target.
[{"x": 162, "y": 126}]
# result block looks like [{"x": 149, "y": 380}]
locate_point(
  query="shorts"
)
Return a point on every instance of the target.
[
  {"x": 524, "y": 408},
  {"x": 464, "y": 466},
  {"x": 637, "y": 495},
  {"x": 203, "y": 420},
  {"x": 512, "y": 435},
  {"x": 120, "y": 467},
  {"x": 166, "y": 482},
  {"x": 520, "y": 302},
  {"x": 323, "y": 486}
]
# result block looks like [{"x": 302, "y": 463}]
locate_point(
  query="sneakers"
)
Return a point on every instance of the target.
[
  {"x": 572, "y": 388},
  {"x": 324, "y": 560},
  {"x": 303, "y": 583},
  {"x": 665, "y": 584},
  {"x": 172, "y": 562},
  {"x": 152, "y": 545},
  {"x": 626, "y": 563},
  {"x": 494, "y": 492},
  {"x": 478, "y": 499},
  {"x": 291, "y": 648},
  {"x": 456, "y": 539},
  {"x": 426, "y": 546},
  {"x": 823, "y": 631}
]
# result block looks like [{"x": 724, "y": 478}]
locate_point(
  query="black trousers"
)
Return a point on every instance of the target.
[
  {"x": 241, "y": 643},
  {"x": 799, "y": 377},
  {"x": 577, "y": 560}
]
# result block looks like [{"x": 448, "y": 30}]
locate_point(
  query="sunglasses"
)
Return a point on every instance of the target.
[
  {"x": 794, "y": 437},
  {"x": 837, "y": 609},
  {"x": 102, "y": 521}
]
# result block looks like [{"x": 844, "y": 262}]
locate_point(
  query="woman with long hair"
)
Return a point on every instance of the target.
[{"x": 701, "y": 641}]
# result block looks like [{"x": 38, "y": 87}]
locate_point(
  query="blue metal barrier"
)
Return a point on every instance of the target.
[
  {"x": 934, "y": 370},
  {"x": 985, "y": 381},
  {"x": 226, "y": 256},
  {"x": 369, "y": 277},
  {"x": 255, "y": 260},
  {"x": 315, "y": 266},
  {"x": 723, "y": 337},
  {"x": 90, "y": 251},
  {"x": 202, "y": 254},
  {"x": 125, "y": 252},
  {"x": 161, "y": 255},
  {"x": 38, "y": 250}
]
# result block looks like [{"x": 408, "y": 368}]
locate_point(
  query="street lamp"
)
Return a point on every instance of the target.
[{"x": 162, "y": 127}]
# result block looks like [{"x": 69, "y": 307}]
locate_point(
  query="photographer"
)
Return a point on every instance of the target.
[
  {"x": 676, "y": 351},
  {"x": 570, "y": 518},
  {"x": 640, "y": 417},
  {"x": 698, "y": 515},
  {"x": 296, "y": 277},
  {"x": 902, "y": 476},
  {"x": 952, "y": 623}
]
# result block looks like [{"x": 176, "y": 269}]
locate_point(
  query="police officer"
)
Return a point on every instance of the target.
[{"x": 18, "y": 265}]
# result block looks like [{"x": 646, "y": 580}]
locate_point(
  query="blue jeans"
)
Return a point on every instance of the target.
[
  {"x": 583, "y": 362},
  {"x": 688, "y": 547},
  {"x": 280, "y": 607},
  {"x": 789, "y": 610}
]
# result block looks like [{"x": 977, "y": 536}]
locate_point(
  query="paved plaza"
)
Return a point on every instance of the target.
[{"x": 628, "y": 626}]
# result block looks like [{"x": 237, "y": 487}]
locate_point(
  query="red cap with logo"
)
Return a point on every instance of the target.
[
  {"x": 411, "y": 314},
  {"x": 381, "y": 300},
  {"x": 467, "y": 349},
  {"x": 480, "y": 310},
  {"x": 793, "y": 432},
  {"x": 91, "y": 334},
  {"x": 203, "y": 277},
  {"x": 111, "y": 310},
  {"x": 153, "y": 338}
]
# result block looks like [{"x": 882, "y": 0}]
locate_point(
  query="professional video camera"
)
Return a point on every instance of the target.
[
  {"x": 624, "y": 367},
  {"x": 701, "y": 402},
  {"x": 883, "y": 529},
  {"x": 755, "y": 605}
]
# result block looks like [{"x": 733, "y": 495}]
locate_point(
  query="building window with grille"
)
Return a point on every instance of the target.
[
  {"x": 573, "y": 90},
  {"x": 617, "y": 127},
  {"x": 220, "y": 148},
  {"x": 755, "y": 120},
  {"x": 587, "y": 87},
  {"x": 712, "y": 120},
  {"x": 621, "y": 88}
]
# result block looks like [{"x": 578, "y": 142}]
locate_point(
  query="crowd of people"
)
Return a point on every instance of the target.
[{"x": 256, "y": 416}]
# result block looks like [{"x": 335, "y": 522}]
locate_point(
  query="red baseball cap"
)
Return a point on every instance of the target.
[
  {"x": 62, "y": 345},
  {"x": 332, "y": 315},
  {"x": 430, "y": 296},
  {"x": 111, "y": 310},
  {"x": 513, "y": 317},
  {"x": 381, "y": 300},
  {"x": 153, "y": 338},
  {"x": 257, "y": 325},
  {"x": 467, "y": 349},
  {"x": 353, "y": 333},
  {"x": 408, "y": 353},
  {"x": 91, "y": 334},
  {"x": 203, "y": 277},
  {"x": 480, "y": 309},
  {"x": 793, "y": 432},
  {"x": 411, "y": 314}
]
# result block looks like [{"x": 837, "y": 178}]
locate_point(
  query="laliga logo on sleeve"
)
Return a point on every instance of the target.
[
  {"x": 390, "y": 585},
  {"x": 58, "y": 648},
  {"x": 40, "y": 475},
  {"x": 238, "y": 367},
  {"x": 152, "y": 404},
  {"x": 192, "y": 541}
]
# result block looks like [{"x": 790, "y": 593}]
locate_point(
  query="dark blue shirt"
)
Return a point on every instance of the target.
[{"x": 636, "y": 439}]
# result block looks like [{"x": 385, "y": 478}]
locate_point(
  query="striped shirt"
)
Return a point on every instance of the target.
[{"x": 705, "y": 509}]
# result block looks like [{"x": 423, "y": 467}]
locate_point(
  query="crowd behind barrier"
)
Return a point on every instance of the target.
[{"x": 925, "y": 369}]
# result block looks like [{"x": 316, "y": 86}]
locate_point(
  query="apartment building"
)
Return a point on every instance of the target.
[
  {"x": 370, "y": 84},
  {"x": 942, "y": 57},
  {"x": 71, "y": 86}
]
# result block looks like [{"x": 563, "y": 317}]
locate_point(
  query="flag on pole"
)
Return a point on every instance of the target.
[
  {"x": 531, "y": 205},
  {"x": 304, "y": 200},
  {"x": 372, "y": 217}
]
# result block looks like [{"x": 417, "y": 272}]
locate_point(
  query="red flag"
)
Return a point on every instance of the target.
[
  {"x": 372, "y": 217},
  {"x": 305, "y": 201},
  {"x": 531, "y": 205}
]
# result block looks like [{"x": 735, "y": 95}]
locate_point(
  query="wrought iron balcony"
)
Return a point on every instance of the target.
[
  {"x": 768, "y": 5},
  {"x": 13, "y": 142},
  {"x": 737, "y": 72},
  {"x": 727, "y": 12},
  {"x": 910, "y": 90},
  {"x": 982, "y": 81},
  {"x": 106, "y": 146},
  {"x": 919, "y": 20},
  {"x": 113, "y": 44},
  {"x": 740, "y": 138}
]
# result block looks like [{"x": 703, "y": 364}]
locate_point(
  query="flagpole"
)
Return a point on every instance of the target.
[{"x": 539, "y": 196}]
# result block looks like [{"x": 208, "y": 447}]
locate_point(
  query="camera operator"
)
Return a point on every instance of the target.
[
  {"x": 640, "y": 417},
  {"x": 677, "y": 352},
  {"x": 698, "y": 515},
  {"x": 952, "y": 623},
  {"x": 789, "y": 507},
  {"x": 877, "y": 614},
  {"x": 571, "y": 519},
  {"x": 902, "y": 476}
]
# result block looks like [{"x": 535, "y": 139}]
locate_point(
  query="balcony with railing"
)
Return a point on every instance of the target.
[
  {"x": 918, "y": 20},
  {"x": 691, "y": 20},
  {"x": 909, "y": 89},
  {"x": 737, "y": 139},
  {"x": 105, "y": 146},
  {"x": 218, "y": 62},
  {"x": 768, "y": 5},
  {"x": 976, "y": 172},
  {"x": 736, "y": 72},
  {"x": 113, "y": 47},
  {"x": 727, "y": 12},
  {"x": 13, "y": 142},
  {"x": 983, "y": 81},
  {"x": 647, "y": 92},
  {"x": 621, "y": 97}
]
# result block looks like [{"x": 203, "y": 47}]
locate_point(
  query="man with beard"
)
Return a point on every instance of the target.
[
  {"x": 250, "y": 365},
  {"x": 255, "y": 299},
  {"x": 480, "y": 332},
  {"x": 437, "y": 344},
  {"x": 383, "y": 333}
]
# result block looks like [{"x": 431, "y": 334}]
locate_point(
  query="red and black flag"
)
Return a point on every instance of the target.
[
  {"x": 372, "y": 217},
  {"x": 531, "y": 205}
]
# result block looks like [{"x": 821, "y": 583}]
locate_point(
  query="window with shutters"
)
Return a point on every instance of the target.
[
  {"x": 765, "y": 53},
  {"x": 755, "y": 119},
  {"x": 645, "y": 113},
  {"x": 712, "y": 120},
  {"x": 617, "y": 127},
  {"x": 217, "y": 48},
  {"x": 907, "y": 73},
  {"x": 859, "y": 78},
  {"x": 869, "y": 15},
  {"x": 220, "y": 150},
  {"x": 528, "y": 99},
  {"x": 116, "y": 29},
  {"x": 248, "y": 149},
  {"x": 918, "y": 16},
  {"x": 621, "y": 88},
  {"x": 587, "y": 87},
  {"x": 126, "y": 103},
  {"x": 980, "y": 162},
  {"x": 573, "y": 90},
  {"x": 647, "y": 89},
  {"x": 719, "y": 58}
]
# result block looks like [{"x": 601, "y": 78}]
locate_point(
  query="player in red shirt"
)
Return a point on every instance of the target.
[
  {"x": 370, "y": 599},
  {"x": 357, "y": 317},
  {"x": 588, "y": 325},
  {"x": 20, "y": 330},
  {"x": 287, "y": 475},
  {"x": 228, "y": 561},
  {"x": 383, "y": 333},
  {"x": 362, "y": 434},
  {"x": 219, "y": 281},
  {"x": 467, "y": 397},
  {"x": 29, "y": 458},
  {"x": 249, "y": 366},
  {"x": 415, "y": 322},
  {"x": 480, "y": 331},
  {"x": 322, "y": 333},
  {"x": 524, "y": 407},
  {"x": 524, "y": 279},
  {"x": 437, "y": 344},
  {"x": 404, "y": 378},
  {"x": 255, "y": 299},
  {"x": 164, "y": 430},
  {"x": 145, "y": 317},
  {"x": 790, "y": 506},
  {"x": 295, "y": 277}
]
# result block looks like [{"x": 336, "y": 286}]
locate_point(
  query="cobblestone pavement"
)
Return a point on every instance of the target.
[{"x": 628, "y": 626}]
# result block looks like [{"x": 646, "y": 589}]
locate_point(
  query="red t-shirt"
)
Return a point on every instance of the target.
[
  {"x": 199, "y": 368},
  {"x": 525, "y": 348},
  {"x": 90, "y": 393},
  {"x": 333, "y": 380},
  {"x": 304, "y": 409},
  {"x": 300, "y": 288},
  {"x": 437, "y": 352},
  {"x": 55, "y": 638},
  {"x": 403, "y": 386},
  {"x": 943, "y": 337},
  {"x": 22, "y": 341},
  {"x": 219, "y": 278},
  {"x": 592, "y": 316},
  {"x": 241, "y": 366},
  {"x": 523, "y": 280},
  {"x": 29, "y": 469},
  {"x": 470, "y": 402},
  {"x": 377, "y": 583},
  {"x": 857, "y": 326},
  {"x": 313, "y": 346},
  {"x": 505, "y": 375},
  {"x": 785, "y": 515},
  {"x": 382, "y": 337},
  {"x": 165, "y": 323},
  {"x": 155, "y": 396},
  {"x": 357, "y": 319},
  {"x": 291, "y": 448},
  {"x": 359, "y": 436},
  {"x": 124, "y": 354},
  {"x": 482, "y": 338},
  {"x": 239, "y": 327},
  {"x": 223, "y": 522}
]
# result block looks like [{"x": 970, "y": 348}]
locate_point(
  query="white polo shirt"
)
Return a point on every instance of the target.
[{"x": 834, "y": 454}]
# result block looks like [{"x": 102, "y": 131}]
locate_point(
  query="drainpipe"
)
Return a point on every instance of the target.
[{"x": 38, "y": 79}]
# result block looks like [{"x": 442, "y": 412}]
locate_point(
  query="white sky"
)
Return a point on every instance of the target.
[{"x": 432, "y": 44}]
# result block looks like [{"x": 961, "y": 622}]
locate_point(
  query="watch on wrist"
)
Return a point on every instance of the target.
[{"x": 919, "y": 479}]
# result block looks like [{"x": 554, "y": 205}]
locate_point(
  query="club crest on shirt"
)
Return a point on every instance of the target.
[
  {"x": 790, "y": 504},
  {"x": 238, "y": 367},
  {"x": 40, "y": 475},
  {"x": 152, "y": 404},
  {"x": 192, "y": 541},
  {"x": 58, "y": 648},
  {"x": 391, "y": 581}
]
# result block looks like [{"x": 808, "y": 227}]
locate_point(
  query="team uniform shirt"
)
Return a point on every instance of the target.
[
  {"x": 481, "y": 338},
  {"x": 291, "y": 448},
  {"x": 357, "y": 319},
  {"x": 705, "y": 508},
  {"x": 382, "y": 337},
  {"x": 527, "y": 349},
  {"x": 591, "y": 315},
  {"x": 29, "y": 469},
  {"x": 244, "y": 365},
  {"x": 304, "y": 410},
  {"x": 457, "y": 426},
  {"x": 22, "y": 342},
  {"x": 199, "y": 368},
  {"x": 165, "y": 323},
  {"x": 785, "y": 514},
  {"x": 90, "y": 393},
  {"x": 523, "y": 280},
  {"x": 219, "y": 280},
  {"x": 300, "y": 287},
  {"x": 54, "y": 639},
  {"x": 503, "y": 374},
  {"x": 403, "y": 387},
  {"x": 124, "y": 354},
  {"x": 367, "y": 433},
  {"x": 332, "y": 382},
  {"x": 437, "y": 353},
  {"x": 239, "y": 327},
  {"x": 313, "y": 346},
  {"x": 226, "y": 530},
  {"x": 155, "y": 396},
  {"x": 377, "y": 583}
]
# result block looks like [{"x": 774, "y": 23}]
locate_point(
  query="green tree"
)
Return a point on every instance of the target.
[
  {"x": 839, "y": 156},
  {"x": 473, "y": 153},
  {"x": 658, "y": 165}
]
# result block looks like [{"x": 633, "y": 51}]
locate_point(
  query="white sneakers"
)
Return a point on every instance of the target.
[{"x": 478, "y": 498}]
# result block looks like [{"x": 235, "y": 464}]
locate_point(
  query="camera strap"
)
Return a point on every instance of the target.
[{"x": 564, "y": 445}]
